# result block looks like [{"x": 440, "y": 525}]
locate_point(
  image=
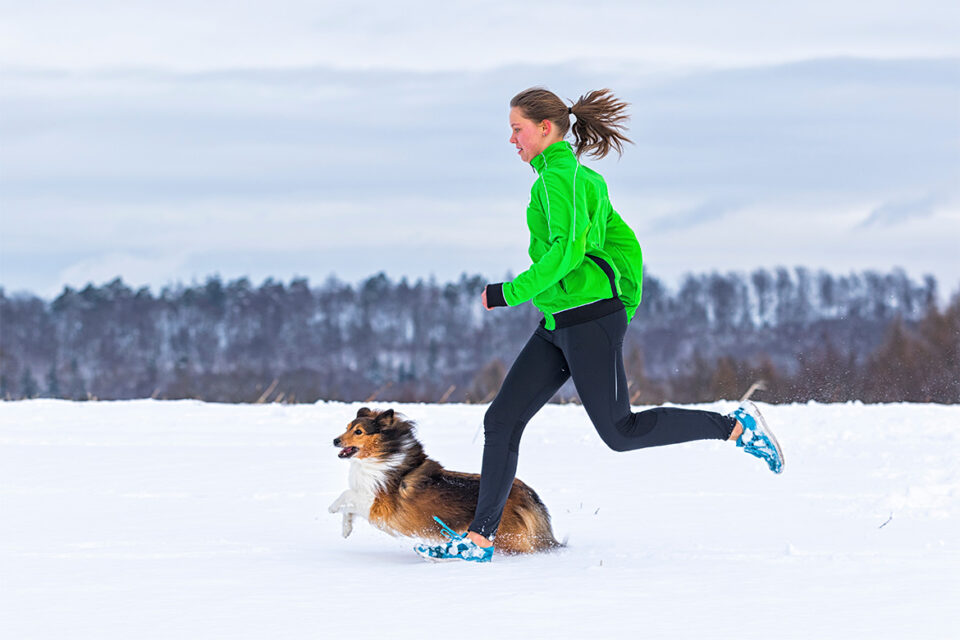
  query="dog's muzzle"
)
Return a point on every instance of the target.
[{"x": 345, "y": 452}]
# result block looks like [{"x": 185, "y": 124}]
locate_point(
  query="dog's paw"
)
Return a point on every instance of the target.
[
  {"x": 335, "y": 507},
  {"x": 347, "y": 524}
]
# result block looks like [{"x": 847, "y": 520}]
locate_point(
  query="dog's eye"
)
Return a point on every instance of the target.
[{"x": 358, "y": 432}]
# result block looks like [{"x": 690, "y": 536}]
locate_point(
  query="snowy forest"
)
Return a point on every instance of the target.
[{"x": 867, "y": 336}]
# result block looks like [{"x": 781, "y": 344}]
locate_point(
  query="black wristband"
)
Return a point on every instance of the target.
[{"x": 495, "y": 295}]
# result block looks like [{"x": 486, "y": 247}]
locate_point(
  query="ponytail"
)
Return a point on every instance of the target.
[
  {"x": 600, "y": 119},
  {"x": 599, "y": 126}
]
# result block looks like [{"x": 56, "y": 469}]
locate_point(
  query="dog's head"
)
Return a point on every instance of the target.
[{"x": 374, "y": 434}]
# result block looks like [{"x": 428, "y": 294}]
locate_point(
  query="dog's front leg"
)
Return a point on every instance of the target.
[
  {"x": 347, "y": 525},
  {"x": 347, "y": 505},
  {"x": 347, "y": 500}
]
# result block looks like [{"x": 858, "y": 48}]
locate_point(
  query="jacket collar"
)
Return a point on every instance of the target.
[{"x": 551, "y": 153}]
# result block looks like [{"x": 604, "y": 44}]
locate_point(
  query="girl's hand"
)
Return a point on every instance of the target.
[{"x": 483, "y": 298}]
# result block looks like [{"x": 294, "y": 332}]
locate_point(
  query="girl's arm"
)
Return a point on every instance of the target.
[{"x": 567, "y": 222}]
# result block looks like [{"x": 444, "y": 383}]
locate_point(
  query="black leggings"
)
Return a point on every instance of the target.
[{"x": 590, "y": 352}]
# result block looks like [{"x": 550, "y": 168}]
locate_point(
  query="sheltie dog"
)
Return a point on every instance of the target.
[{"x": 398, "y": 489}]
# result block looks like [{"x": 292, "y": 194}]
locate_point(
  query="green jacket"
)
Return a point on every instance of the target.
[{"x": 570, "y": 216}]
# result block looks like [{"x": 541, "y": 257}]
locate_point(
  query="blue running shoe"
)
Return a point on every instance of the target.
[
  {"x": 757, "y": 439},
  {"x": 459, "y": 547}
]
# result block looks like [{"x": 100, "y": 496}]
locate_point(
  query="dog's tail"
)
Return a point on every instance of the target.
[{"x": 537, "y": 523}]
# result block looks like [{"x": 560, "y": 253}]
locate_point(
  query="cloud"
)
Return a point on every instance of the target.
[
  {"x": 900, "y": 211},
  {"x": 704, "y": 213},
  {"x": 840, "y": 126},
  {"x": 307, "y": 160}
]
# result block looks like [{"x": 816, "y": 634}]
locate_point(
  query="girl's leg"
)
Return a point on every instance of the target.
[
  {"x": 594, "y": 352},
  {"x": 535, "y": 376}
]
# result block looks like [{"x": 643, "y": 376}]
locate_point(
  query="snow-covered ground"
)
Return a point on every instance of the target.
[{"x": 150, "y": 519}]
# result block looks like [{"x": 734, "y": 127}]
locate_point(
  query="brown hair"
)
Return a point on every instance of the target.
[{"x": 600, "y": 116}]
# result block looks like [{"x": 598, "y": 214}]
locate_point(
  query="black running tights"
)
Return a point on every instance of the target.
[{"x": 590, "y": 352}]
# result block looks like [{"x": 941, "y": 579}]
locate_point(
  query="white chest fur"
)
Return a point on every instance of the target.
[{"x": 367, "y": 479}]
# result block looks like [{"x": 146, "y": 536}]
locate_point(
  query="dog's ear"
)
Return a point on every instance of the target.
[
  {"x": 363, "y": 412},
  {"x": 385, "y": 419}
]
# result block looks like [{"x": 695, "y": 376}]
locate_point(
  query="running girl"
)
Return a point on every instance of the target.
[{"x": 586, "y": 278}]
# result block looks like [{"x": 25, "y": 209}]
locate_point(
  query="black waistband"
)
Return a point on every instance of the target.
[{"x": 587, "y": 312}]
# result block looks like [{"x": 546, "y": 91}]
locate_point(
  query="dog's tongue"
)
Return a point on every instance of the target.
[{"x": 346, "y": 452}]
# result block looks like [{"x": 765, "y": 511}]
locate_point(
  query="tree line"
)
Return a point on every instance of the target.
[{"x": 874, "y": 337}]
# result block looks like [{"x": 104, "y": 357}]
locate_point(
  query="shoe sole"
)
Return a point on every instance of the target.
[
  {"x": 767, "y": 432},
  {"x": 434, "y": 559},
  {"x": 437, "y": 560},
  {"x": 441, "y": 560},
  {"x": 430, "y": 558}
]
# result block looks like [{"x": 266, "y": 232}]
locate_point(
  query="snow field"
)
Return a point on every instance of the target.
[{"x": 153, "y": 519}]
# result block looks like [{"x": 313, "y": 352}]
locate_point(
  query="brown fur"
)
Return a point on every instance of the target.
[{"x": 414, "y": 488}]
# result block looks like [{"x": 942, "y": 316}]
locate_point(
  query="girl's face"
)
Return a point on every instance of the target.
[{"x": 529, "y": 137}]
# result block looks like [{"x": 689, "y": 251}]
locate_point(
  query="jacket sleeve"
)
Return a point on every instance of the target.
[
  {"x": 621, "y": 244},
  {"x": 567, "y": 232}
]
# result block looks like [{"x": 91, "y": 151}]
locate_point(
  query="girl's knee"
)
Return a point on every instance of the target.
[
  {"x": 621, "y": 436},
  {"x": 494, "y": 420},
  {"x": 496, "y": 425},
  {"x": 502, "y": 427},
  {"x": 616, "y": 443}
]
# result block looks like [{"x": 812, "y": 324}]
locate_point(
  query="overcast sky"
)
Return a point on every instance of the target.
[{"x": 165, "y": 142}]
